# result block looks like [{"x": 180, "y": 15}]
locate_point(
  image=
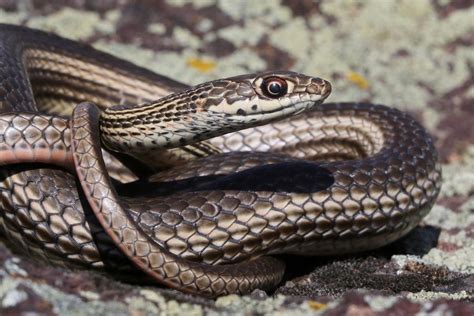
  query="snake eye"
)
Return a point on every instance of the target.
[{"x": 274, "y": 87}]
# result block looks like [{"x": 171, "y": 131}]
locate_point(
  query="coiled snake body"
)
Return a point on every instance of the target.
[{"x": 335, "y": 179}]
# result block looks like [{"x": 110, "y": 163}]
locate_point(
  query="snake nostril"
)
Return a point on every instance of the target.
[{"x": 326, "y": 89}]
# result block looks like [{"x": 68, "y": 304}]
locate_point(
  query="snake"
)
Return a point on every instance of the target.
[{"x": 106, "y": 165}]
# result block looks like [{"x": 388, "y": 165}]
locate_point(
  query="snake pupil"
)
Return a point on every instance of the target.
[{"x": 274, "y": 88}]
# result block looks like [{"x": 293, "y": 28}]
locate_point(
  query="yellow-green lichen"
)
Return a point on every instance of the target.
[
  {"x": 244, "y": 305},
  {"x": 397, "y": 54},
  {"x": 61, "y": 303},
  {"x": 204, "y": 25},
  {"x": 12, "y": 17},
  {"x": 157, "y": 28},
  {"x": 424, "y": 296},
  {"x": 108, "y": 25},
  {"x": 293, "y": 38},
  {"x": 11, "y": 266},
  {"x": 67, "y": 22},
  {"x": 194, "y": 3},
  {"x": 243, "y": 61},
  {"x": 12, "y": 298},
  {"x": 269, "y": 12},
  {"x": 89, "y": 295},
  {"x": 147, "y": 302},
  {"x": 455, "y": 224},
  {"x": 248, "y": 34},
  {"x": 8, "y": 285},
  {"x": 380, "y": 303},
  {"x": 140, "y": 56},
  {"x": 458, "y": 177},
  {"x": 165, "y": 306},
  {"x": 185, "y": 38},
  {"x": 458, "y": 260}
]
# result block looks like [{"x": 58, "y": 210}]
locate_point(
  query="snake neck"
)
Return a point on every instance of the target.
[{"x": 160, "y": 125}]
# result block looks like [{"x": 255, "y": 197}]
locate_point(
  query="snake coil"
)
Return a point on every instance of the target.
[{"x": 237, "y": 185}]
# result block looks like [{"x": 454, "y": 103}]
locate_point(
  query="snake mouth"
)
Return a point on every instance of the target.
[
  {"x": 306, "y": 102},
  {"x": 284, "y": 111}
]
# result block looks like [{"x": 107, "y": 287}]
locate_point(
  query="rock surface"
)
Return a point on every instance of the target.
[{"x": 414, "y": 55}]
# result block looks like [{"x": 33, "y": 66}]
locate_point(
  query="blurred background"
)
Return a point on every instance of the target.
[{"x": 415, "y": 55}]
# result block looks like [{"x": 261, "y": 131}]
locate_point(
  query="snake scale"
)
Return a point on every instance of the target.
[{"x": 247, "y": 168}]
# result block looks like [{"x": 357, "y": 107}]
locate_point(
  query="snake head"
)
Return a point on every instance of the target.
[
  {"x": 265, "y": 96},
  {"x": 211, "y": 109}
]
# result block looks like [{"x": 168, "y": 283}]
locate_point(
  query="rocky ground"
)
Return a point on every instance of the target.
[{"x": 414, "y": 55}]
